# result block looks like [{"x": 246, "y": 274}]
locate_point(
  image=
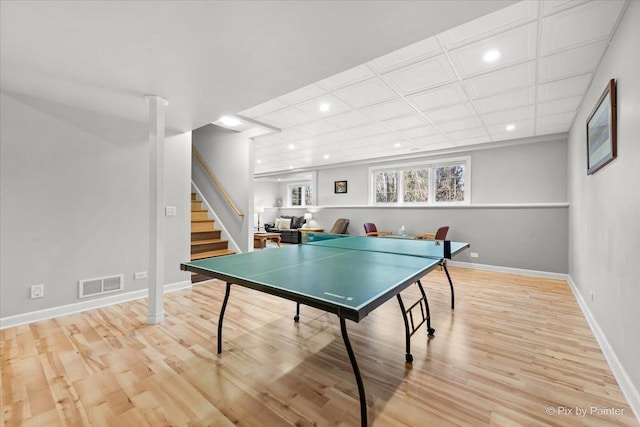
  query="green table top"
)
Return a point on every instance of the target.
[
  {"x": 349, "y": 280},
  {"x": 412, "y": 247},
  {"x": 345, "y": 282}
]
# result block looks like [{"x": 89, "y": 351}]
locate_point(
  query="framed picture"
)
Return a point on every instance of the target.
[
  {"x": 601, "y": 130},
  {"x": 340, "y": 187}
]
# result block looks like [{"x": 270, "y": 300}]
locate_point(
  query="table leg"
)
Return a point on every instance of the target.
[
  {"x": 409, "y": 330},
  {"x": 356, "y": 371},
  {"x": 443, "y": 263},
  {"x": 221, "y": 318},
  {"x": 430, "y": 330},
  {"x": 296, "y": 318}
]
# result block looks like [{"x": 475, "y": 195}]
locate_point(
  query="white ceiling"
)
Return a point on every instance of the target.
[
  {"x": 439, "y": 93},
  {"x": 206, "y": 57}
]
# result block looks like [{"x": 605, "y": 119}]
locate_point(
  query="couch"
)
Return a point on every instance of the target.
[{"x": 288, "y": 229}]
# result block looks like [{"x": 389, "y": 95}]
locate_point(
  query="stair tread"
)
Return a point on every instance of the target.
[
  {"x": 207, "y": 241},
  {"x": 210, "y": 254},
  {"x": 203, "y": 235}
]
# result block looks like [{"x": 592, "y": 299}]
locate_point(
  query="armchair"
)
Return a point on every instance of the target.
[{"x": 340, "y": 226}]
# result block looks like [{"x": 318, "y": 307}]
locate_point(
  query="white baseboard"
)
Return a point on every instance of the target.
[
  {"x": 626, "y": 385},
  {"x": 63, "y": 310},
  {"x": 509, "y": 270}
]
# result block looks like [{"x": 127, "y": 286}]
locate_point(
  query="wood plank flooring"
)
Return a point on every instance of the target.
[{"x": 516, "y": 351}]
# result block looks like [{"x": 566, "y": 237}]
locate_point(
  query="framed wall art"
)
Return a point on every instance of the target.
[
  {"x": 601, "y": 130},
  {"x": 340, "y": 187}
]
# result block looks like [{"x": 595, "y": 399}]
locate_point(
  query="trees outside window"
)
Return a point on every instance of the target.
[
  {"x": 450, "y": 183},
  {"x": 416, "y": 185},
  {"x": 386, "y": 187},
  {"x": 442, "y": 181}
]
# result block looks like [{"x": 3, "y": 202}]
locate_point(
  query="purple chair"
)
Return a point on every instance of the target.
[
  {"x": 441, "y": 234},
  {"x": 371, "y": 230}
]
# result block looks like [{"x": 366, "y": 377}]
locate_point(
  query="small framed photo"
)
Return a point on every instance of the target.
[
  {"x": 601, "y": 130},
  {"x": 340, "y": 187}
]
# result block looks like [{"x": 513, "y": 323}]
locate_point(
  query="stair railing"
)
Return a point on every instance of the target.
[{"x": 216, "y": 182}]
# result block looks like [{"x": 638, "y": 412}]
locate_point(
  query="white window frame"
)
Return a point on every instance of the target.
[
  {"x": 431, "y": 165},
  {"x": 302, "y": 199}
]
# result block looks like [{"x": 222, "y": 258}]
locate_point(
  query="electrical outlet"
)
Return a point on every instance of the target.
[
  {"x": 140, "y": 275},
  {"x": 473, "y": 254},
  {"x": 170, "y": 210},
  {"x": 37, "y": 291}
]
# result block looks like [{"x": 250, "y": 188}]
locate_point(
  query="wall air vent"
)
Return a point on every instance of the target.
[{"x": 100, "y": 285}]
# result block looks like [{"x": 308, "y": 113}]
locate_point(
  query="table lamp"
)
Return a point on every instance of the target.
[
  {"x": 307, "y": 219},
  {"x": 258, "y": 210}
]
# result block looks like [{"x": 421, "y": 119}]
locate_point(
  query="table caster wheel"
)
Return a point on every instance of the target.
[
  {"x": 431, "y": 331},
  {"x": 296, "y": 318},
  {"x": 409, "y": 358}
]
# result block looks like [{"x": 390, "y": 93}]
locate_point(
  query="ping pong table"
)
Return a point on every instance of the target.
[{"x": 349, "y": 276}]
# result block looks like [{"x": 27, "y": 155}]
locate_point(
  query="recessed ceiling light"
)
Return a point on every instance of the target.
[
  {"x": 291, "y": 146},
  {"x": 324, "y": 107},
  {"x": 510, "y": 127},
  {"x": 397, "y": 144},
  {"x": 229, "y": 121},
  {"x": 258, "y": 161},
  {"x": 491, "y": 55},
  {"x": 290, "y": 167},
  {"x": 326, "y": 156}
]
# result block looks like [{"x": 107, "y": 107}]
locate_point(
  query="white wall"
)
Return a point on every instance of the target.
[
  {"x": 177, "y": 193},
  {"x": 265, "y": 195},
  {"x": 357, "y": 186},
  {"x": 604, "y": 233},
  {"x": 74, "y": 203}
]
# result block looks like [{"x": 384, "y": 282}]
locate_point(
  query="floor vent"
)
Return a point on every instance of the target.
[{"x": 101, "y": 285}]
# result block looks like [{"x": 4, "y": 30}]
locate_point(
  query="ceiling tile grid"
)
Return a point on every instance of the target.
[{"x": 519, "y": 72}]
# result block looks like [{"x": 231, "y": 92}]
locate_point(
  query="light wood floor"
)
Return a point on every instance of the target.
[{"x": 516, "y": 351}]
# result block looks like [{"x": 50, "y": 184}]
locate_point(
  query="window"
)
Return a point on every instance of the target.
[
  {"x": 386, "y": 187},
  {"x": 300, "y": 194},
  {"x": 450, "y": 183},
  {"x": 438, "y": 182},
  {"x": 416, "y": 185}
]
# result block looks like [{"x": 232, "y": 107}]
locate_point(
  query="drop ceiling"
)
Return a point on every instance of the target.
[{"x": 440, "y": 94}]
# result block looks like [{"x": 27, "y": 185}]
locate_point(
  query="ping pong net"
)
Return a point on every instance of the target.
[{"x": 438, "y": 249}]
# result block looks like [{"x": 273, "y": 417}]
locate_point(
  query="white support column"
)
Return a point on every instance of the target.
[{"x": 156, "y": 208}]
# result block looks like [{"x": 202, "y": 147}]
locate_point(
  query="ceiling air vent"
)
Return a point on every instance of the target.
[{"x": 100, "y": 285}]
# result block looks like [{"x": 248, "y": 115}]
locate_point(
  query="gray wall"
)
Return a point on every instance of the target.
[
  {"x": 527, "y": 173},
  {"x": 74, "y": 200},
  {"x": 503, "y": 225},
  {"x": 521, "y": 173},
  {"x": 229, "y": 155},
  {"x": 604, "y": 234}
]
